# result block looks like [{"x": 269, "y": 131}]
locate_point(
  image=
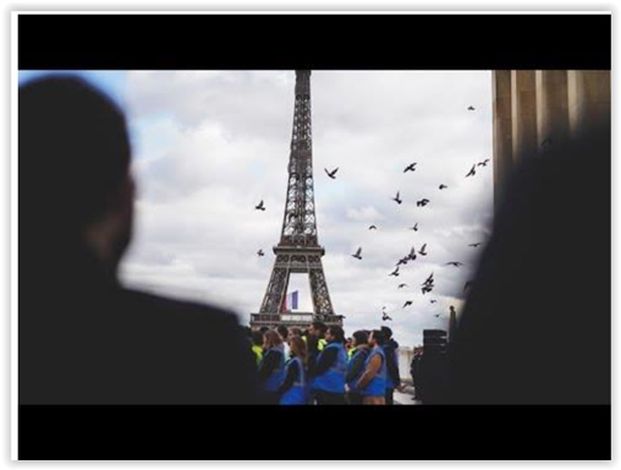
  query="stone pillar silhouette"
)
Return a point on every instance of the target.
[
  {"x": 523, "y": 114},
  {"x": 501, "y": 111}
]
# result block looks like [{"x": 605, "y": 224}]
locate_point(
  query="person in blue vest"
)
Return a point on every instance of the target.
[
  {"x": 293, "y": 390},
  {"x": 372, "y": 383},
  {"x": 316, "y": 341},
  {"x": 356, "y": 365},
  {"x": 272, "y": 366},
  {"x": 391, "y": 351},
  {"x": 328, "y": 386}
]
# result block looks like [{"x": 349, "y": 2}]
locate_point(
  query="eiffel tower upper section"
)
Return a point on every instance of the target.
[{"x": 299, "y": 226}]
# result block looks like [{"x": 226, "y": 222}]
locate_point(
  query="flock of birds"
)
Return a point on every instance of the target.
[{"x": 428, "y": 285}]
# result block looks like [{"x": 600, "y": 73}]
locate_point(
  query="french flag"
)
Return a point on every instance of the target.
[{"x": 291, "y": 301}]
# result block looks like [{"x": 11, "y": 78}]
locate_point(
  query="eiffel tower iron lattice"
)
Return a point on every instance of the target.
[{"x": 298, "y": 250}]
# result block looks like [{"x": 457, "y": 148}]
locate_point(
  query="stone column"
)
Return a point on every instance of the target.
[
  {"x": 501, "y": 109},
  {"x": 523, "y": 114},
  {"x": 588, "y": 94},
  {"x": 552, "y": 107}
]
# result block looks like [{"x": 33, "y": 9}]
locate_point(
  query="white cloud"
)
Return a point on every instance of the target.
[{"x": 209, "y": 145}]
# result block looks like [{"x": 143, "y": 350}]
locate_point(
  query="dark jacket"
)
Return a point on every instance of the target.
[
  {"x": 392, "y": 361},
  {"x": 84, "y": 339}
]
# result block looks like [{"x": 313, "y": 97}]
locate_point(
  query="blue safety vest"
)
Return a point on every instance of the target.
[
  {"x": 377, "y": 386},
  {"x": 352, "y": 383},
  {"x": 333, "y": 380},
  {"x": 297, "y": 394},
  {"x": 276, "y": 378}
]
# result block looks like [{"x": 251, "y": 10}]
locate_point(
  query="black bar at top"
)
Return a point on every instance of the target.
[{"x": 322, "y": 41}]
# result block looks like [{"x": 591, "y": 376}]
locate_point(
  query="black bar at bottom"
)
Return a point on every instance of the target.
[{"x": 314, "y": 433}]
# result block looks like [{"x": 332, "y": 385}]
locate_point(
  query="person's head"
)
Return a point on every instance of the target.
[
  {"x": 295, "y": 331},
  {"x": 298, "y": 347},
  {"x": 318, "y": 329},
  {"x": 263, "y": 329},
  {"x": 257, "y": 338},
  {"x": 387, "y": 333},
  {"x": 312, "y": 342},
  {"x": 376, "y": 338},
  {"x": 271, "y": 339},
  {"x": 348, "y": 342},
  {"x": 360, "y": 337},
  {"x": 335, "y": 333},
  {"x": 74, "y": 150},
  {"x": 283, "y": 331}
]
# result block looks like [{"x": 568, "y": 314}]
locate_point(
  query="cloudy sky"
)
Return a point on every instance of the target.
[{"x": 209, "y": 145}]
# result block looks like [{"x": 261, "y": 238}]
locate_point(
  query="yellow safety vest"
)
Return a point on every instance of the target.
[
  {"x": 258, "y": 351},
  {"x": 321, "y": 344}
]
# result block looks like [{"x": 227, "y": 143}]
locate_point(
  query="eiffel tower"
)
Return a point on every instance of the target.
[{"x": 298, "y": 250}]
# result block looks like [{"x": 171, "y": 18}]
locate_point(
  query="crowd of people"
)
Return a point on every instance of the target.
[{"x": 319, "y": 365}]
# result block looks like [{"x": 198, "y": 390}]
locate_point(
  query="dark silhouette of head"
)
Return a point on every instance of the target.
[
  {"x": 387, "y": 332},
  {"x": 283, "y": 331},
  {"x": 335, "y": 333},
  {"x": 532, "y": 306},
  {"x": 74, "y": 180},
  {"x": 360, "y": 337},
  {"x": 317, "y": 328}
]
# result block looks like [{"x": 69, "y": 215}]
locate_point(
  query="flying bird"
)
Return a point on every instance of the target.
[
  {"x": 422, "y": 251},
  {"x": 427, "y": 288},
  {"x": 372, "y": 227},
  {"x": 402, "y": 261},
  {"x": 470, "y": 108},
  {"x": 483, "y": 163},
  {"x": 415, "y": 228},
  {"x": 400, "y": 286},
  {"x": 395, "y": 272},
  {"x": 429, "y": 280},
  {"x": 437, "y": 315},
  {"x": 407, "y": 303},
  {"x": 260, "y": 206},
  {"x": 410, "y": 167},
  {"x": 457, "y": 264},
  {"x": 332, "y": 173},
  {"x": 385, "y": 316},
  {"x": 472, "y": 172},
  {"x": 432, "y": 301},
  {"x": 412, "y": 254},
  {"x": 423, "y": 202},
  {"x": 260, "y": 253},
  {"x": 357, "y": 253},
  {"x": 442, "y": 186},
  {"x": 474, "y": 245},
  {"x": 396, "y": 198}
]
